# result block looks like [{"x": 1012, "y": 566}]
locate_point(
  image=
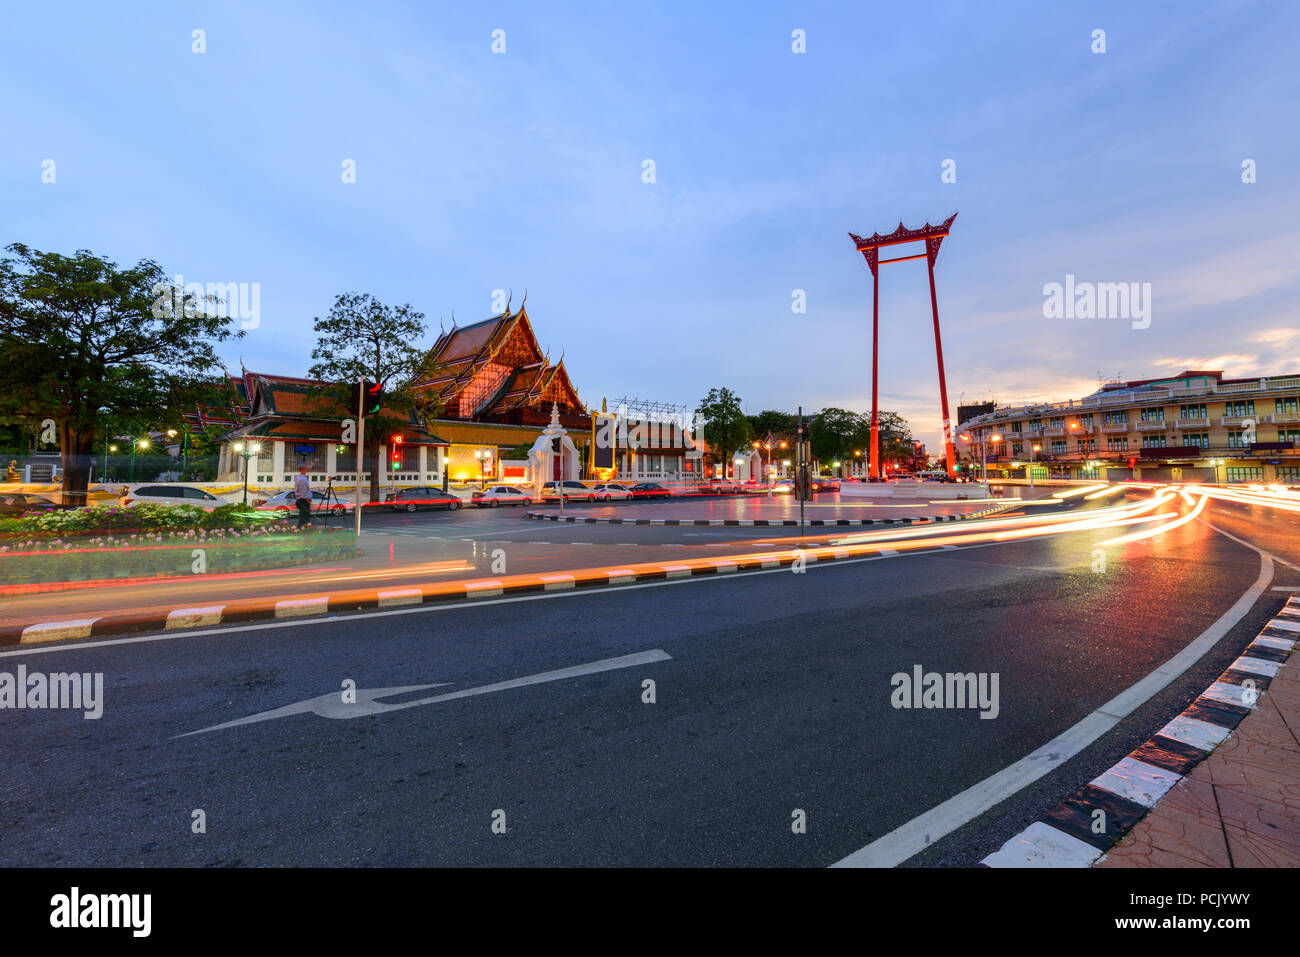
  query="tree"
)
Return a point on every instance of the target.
[
  {"x": 725, "y": 426},
  {"x": 839, "y": 433},
  {"x": 769, "y": 420},
  {"x": 362, "y": 338},
  {"x": 84, "y": 344}
]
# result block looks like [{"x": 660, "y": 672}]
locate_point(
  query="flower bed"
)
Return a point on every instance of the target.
[{"x": 156, "y": 541}]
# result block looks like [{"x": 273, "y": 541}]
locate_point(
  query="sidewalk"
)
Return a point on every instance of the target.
[{"x": 1240, "y": 807}]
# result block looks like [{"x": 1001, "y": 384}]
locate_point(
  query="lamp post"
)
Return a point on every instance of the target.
[
  {"x": 1032, "y": 449},
  {"x": 143, "y": 444},
  {"x": 483, "y": 456},
  {"x": 247, "y": 450}
]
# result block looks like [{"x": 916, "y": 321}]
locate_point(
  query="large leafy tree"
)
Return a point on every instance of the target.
[
  {"x": 362, "y": 338},
  {"x": 770, "y": 420},
  {"x": 839, "y": 433},
  {"x": 725, "y": 426},
  {"x": 91, "y": 347}
]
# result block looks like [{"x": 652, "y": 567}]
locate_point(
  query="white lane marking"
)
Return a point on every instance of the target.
[
  {"x": 329, "y": 705},
  {"x": 919, "y": 833},
  {"x": 1199, "y": 734},
  {"x": 194, "y": 617},
  {"x": 888, "y": 552},
  {"x": 1138, "y": 781},
  {"x": 1041, "y": 845},
  {"x": 56, "y": 630},
  {"x": 1286, "y": 588}
]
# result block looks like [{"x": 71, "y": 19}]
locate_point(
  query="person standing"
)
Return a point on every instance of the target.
[{"x": 302, "y": 495}]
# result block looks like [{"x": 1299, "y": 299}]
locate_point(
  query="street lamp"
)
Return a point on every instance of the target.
[
  {"x": 247, "y": 450},
  {"x": 483, "y": 456},
  {"x": 1032, "y": 449},
  {"x": 143, "y": 444}
]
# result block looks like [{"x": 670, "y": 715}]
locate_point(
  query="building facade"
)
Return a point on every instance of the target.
[{"x": 1193, "y": 427}]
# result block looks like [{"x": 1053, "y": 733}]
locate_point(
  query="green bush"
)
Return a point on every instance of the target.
[{"x": 143, "y": 517}]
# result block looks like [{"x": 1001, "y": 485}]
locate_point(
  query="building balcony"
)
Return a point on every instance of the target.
[
  {"x": 1114, "y": 426},
  {"x": 1054, "y": 430},
  {"x": 1156, "y": 425},
  {"x": 1237, "y": 421},
  {"x": 1198, "y": 423},
  {"x": 1283, "y": 417}
]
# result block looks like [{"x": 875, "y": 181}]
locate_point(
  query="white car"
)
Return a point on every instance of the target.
[
  {"x": 501, "y": 495},
  {"x": 287, "y": 501},
  {"x": 612, "y": 491},
  {"x": 171, "y": 495}
]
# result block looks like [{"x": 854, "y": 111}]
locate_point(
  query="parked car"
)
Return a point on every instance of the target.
[
  {"x": 573, "y": 491},
  {"x": 23, "y": 503},
  {"x": 823, "y": 483},
  {"x": 720, "y": 486},
  {"x": 410, "y": 499},
  {"x": 171, "y": 495},
  {"x": 783, "y": 485},
  {"x": 650, "y": 490},
  {"x": 612, "y": 491},
  {"x": 287, "y": 501},
  {"x": 501, "y": 495}
]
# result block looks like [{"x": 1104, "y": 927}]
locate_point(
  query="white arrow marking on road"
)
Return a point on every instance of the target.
[{"x": 331, "y": 705}]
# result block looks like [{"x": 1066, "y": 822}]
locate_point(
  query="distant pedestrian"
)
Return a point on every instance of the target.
[{"x": 302, "y": 495}]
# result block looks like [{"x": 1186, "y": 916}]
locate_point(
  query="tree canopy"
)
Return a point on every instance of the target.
[{"x": 91, "y": 346}]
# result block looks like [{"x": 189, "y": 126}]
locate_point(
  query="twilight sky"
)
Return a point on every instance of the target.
[{"x": 478, "y": 171}]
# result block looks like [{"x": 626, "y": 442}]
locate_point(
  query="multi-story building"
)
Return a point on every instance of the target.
[{"x": 1193, "y": 427}]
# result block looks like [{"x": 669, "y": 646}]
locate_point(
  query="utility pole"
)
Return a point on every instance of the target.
[{"x": 361, "y": 446}]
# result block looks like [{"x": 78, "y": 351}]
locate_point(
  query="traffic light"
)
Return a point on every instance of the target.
[
  {"x": 397, "y": 452},
  {"x": 372, "y": 394},
  {"x": 1132, "y": 462}
]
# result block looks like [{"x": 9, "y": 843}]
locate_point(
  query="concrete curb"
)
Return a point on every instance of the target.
[
  {"x": 189, "y": 616},
  {"x": 1093, "y": 819},
  {"x": 770, "y": 522}
]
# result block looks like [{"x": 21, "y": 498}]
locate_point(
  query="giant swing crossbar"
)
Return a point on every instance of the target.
[{"x": 870, "y": 246}]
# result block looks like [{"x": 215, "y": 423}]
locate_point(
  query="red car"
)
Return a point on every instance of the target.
[{"x": 650, "y": 490}]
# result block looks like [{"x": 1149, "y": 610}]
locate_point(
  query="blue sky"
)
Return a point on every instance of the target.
[{"x": 477, "y": 171}]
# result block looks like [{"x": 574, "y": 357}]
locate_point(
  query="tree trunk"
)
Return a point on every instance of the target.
[{"x": 77, "y": 447}]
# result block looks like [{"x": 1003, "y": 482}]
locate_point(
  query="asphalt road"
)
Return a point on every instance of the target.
[{"x": 772, "y": 696}]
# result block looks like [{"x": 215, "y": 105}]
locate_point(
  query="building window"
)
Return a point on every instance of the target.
[
  {"x": 1087, "y": 445},
  {"x": 1117, "y": 445},
  {"x": 1240, "y": 408},
  {"x": 1289, "y": 404},
  {"x": 1199, "y": 439},
  {"x": 1192, "y": 411},
  {"x": 1085, "y": 421},
  {"x": 1237, "y": 440},
  {"x": 1245, "y": 473},
  {"x": 1015, "y": 427},
  {"x": 1290, "y": 474},
  {"x": 1056, "y": 423},
  {"x": 1288, "y": 435},
  {"x": 294, "y": 459},
  {"x": 1153, "y": 441},
  {"x": 1058, "y": 447},
  {"x": 1153, "y": 415},
  {"x": 1018, "y": 449},
  {"x": 1115, "y": 418},
  {"x": 1090, "y": 474}
]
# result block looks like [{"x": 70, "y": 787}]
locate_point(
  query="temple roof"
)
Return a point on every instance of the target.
[{"x": 495, "y": 367}]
